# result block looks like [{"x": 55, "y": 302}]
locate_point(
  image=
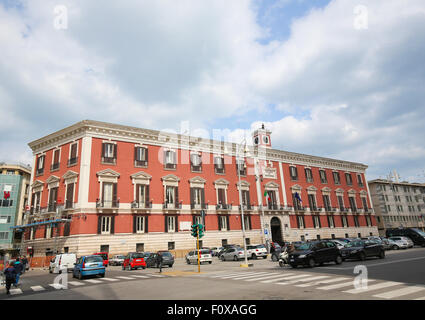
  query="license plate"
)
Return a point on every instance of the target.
[
  {"x": 291, "y": 260},
  {"x": 138, "y": 260}
]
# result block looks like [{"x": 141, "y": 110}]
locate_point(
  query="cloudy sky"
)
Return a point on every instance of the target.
[{"x": 335, "y": 78}]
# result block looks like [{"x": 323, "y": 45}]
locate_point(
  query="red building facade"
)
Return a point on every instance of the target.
[{"x": 123, "y": 189}]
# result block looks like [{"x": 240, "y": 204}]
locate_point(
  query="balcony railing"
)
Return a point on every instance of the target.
[
  {"x": 69, "y": 204},
  {"x": 39, "y": 172},
  {"x": 110, "y": 160},
  {"x": 167, "y": 205},
  {"x": 353, "y": 209},
  {"x": 223, "y": 206},
  {"x": 72, "y": 161},
  {"x": 198, "y": 206},
  {"x": 35, "y": 209},
  {"x": 54, "y": 166},
  {"x": 299, "y": 208},
  {"x": 51, "y": 207},
  {"x": 219, "y": 170},
  {"x": 246, "y": 207},
  {"x": 108, "y": 204},
  {"x": 141, "y": 205},
  {"x": 196, "y": 168},
  {"x": 272, "y": 206},
  {"x": 140, "y": 163},
  {"x": 170, "y": 166}
]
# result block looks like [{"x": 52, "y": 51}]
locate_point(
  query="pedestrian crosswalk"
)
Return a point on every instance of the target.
[
  {"x": 79, "y": 283},
  {"x": 375, "y": 289}
]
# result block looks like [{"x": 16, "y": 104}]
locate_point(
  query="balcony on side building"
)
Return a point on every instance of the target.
[
  {"x": 223, "y": 207},
  {"x": 198, "y": 206},
  {"x": 246, "y": 207},
  {"x": 172, "y": 206},
  {"x": 141, "y": 205},
  {"x": 101, "y": 204}
]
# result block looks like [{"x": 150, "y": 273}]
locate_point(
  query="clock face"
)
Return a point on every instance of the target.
[
  {"x": 266, "y": 139},
  {"x": 256, "y": 140}
]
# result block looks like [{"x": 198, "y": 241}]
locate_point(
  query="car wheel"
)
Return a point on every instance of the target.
[
  {"x": 80, "y": 276},
  {"x": 254, "y": 257},
  {"x": 382, "y": 254},
  {"x": 362, "y": 256},
  {"x": 209, "y": 262},
  {"x": 281, "y": 264},
  {"x": 143, "y": 268},
  {"x": 265, "y": 257},
  {"x": 274, "y": 258},
  {"x": 338, "y": 260},
  {"x": 235, "y": 258},
  {"x": 102, "y": 275},
  {"x": 311, "y": 263},
  {"x": 395, "y": 247},
  {"x": 50, "y": 270},
  {"x": 294, "y": 266},
  {"x": 222, "y": 258},
  {"x": 187, "y": 261}
]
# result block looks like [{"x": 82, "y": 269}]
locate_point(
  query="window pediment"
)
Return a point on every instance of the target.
[
  {"x": 170, "y": 178},
  {"x": 108, "y": 173},
  {"x": 52, "y": 180},
  {"x": 363, "y": 193},
  {"x": 296, "y": 187},
  {"x": 352, "y": 192},
  {"x": 141, "y": 178},
  {"x": 70, "y": 175},
  {"x": 326, "y": 189},
  {"x": 339, "y": 191},
  {"x": 198, "y": 180},
  {"x": 221, "y": 181},
  {"x": 37, "y": 184}
]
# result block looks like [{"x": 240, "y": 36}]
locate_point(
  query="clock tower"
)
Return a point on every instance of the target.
[{"x": 261, "y": 137}]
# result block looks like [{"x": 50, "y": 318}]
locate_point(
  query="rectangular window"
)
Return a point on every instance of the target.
[
  {"x": 195, "y": 162},
  {"x": 316, "y": 221},
  {"x": 223, "y": 223},
  {"x": 312, "y": 202},
  {"x": 197, "y": 198},
  {"x": 140, "y": 156},
  {"x": 109, "y": 153},
  {"x": 348, "y": 179},
  {"x": 356, "y": 221},
  {"x": 69, "y": 196},
  {"x": 55, "y": 164},
  {"x": 293, "y": 173},
  {"x": 337, "y": 179},
  {"x": 219, "y": 164},
  {"x": 221, "y": 196},
  {"x": 296, "y": 202},
  {"x": 142, "y": 196},
  {"x": 365, "y": 207},
  {"x": 300, "y": 220},
  {"x": 109, "y": 195},
  {"x": 106, "y": 225},
  {"x": 53, "y": 197},
  {"x": 308, "y": 175},
  {"x": 170, "y": 158},
  {"x": 247, "y": 222},
  {"x": 171, "y": 224},
  {"x": 352, "y": 204},
  {"x": 171, "y": 245},
  {"x": 240, "y": 167},
  {"x": 327, "y": 203},
  {"x": 140, "y": 224},
  {"x": 246, "y": 199},
  {"x": 341, "y": 203},
  {"x": 140, "y": 247},
  {"x": 40, "y": 165},
  {"x": 223, "y": 242},
  {"x": 171, "y": 195},
  {"x": 323, "y": 178},
  {"x": 359, "y": 180},
  {"x": 4, "y": 235},
  {"x": 73, "y": 155},
  {"x": 331, "y": 221},
  {"x": 344, "y": 221}
]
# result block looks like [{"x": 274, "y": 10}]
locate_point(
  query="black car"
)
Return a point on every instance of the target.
[
  {"x": 316, "y": 252},
  {"x": 361, "y": 249},
  {"x": 167, "y": 259}
]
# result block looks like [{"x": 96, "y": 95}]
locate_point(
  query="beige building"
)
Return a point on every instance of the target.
[{"x": 398, "y": 204}]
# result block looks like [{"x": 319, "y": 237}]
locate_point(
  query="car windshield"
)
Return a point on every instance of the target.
[
  {"x": 120, "y": 257},
  {"x": 104, "y": 256},
  {"x": 354, "y": 244},
  {"x": 94, "y": 259},
  {"x": 420, "y": 232},
  {"x": 261, "y": 246},
  {"x": 395, "y": 238},
  {"x": 204, "y": 251},
  {"x": 303, "y": 246},
  {"x": 166, "y": 254},
  {"x": 137, "y": 255}
]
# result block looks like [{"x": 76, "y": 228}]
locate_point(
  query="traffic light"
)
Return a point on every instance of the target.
[
  {"x": 194, "y": 230},
  {"x": 201, "y": 230}
]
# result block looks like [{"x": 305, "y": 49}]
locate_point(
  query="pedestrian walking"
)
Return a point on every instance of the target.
[
  {"x": 18, "y": 267},
  {"x": 24, "y": 261},
  {"x": 159, "y": 261},
  {"x": 10, "y": 276}
]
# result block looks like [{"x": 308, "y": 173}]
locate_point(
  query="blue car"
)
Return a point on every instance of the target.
[{"x": 88, "y": 266}]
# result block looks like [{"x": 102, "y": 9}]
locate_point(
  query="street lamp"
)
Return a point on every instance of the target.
[{"x": 245, "y": 150}]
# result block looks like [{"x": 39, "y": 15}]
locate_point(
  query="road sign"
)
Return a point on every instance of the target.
[{"x": 266, "y": 231}]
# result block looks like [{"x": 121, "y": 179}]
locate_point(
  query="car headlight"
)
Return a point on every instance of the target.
[
  {"x": 302, "y": 256},
  {"x": 354, "y": 251}
]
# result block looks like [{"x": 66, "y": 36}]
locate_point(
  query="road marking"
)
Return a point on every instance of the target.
[
  {"x": 282, "y": 278},
  {"x": 258, "y": 274},
  {"x": 399, "y": 292},
  {"x": 340, "y": 285},
  {"x": 138, "y": 276},
  {"x": 156, "y": 275},
  {"x": 293, "y": 278},
  {"x": 37, "y": 288},
  {"x": 376, "y": 264},
  {"x": 374, "y": 287},
  {"x": 233, "y": 274},
  {"x": 76, "y": 283},
  {"x": 304, "y": 285},
  {"x": 265, "y": 277},
  {"x": 308, "y": 279},
  {"x": 93, "y": 281},
  {"x": 126, "y": 278},
  {"x": 57, "y": 286},
  {"x": 109, "y": 279},
  {"x": 15, "y": 291}
]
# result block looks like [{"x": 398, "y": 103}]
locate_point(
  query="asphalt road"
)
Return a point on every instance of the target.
[{"x": 401, "y": 275}]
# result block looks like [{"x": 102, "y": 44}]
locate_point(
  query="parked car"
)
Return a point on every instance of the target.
[
  {"x": 386, "y": 243},
  {"x": 117, "y": 260},
  {"x": 204, "y": 256},
  {"x": 167, "y": 259},
  {"x": 399, "y": 243},
  {"x": 134, "y": 260},
  {"x": 61, "y": 261},
  {"x": 89, "y": 266},
  {"x": 232, "y": 253},
  {"x": 104, "y": 255},
  {"x": 224, "y": 247},
  {"x": 256, "y": 251},
  {"x": 409, "y": 241},
  {"x": 317, "y": 252},
  {"x": 275, "y": 251},
  {"x": 340, "y": 244},
  {"x": 216, "y": 250},
  {"x": 362, "y": 249},
  {"x": 416, "y": 235}
]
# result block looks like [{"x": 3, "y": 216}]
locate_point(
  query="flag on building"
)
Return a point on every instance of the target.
[
  {"x": 297, "y": 196},
  {"x": 267, "y": 195}
]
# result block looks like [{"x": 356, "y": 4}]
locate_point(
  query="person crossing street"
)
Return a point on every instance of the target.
[
  {"x": 159, "y": 261},
  {"x": 18, "y": 267},
  {"x": 10, "y": 276}
]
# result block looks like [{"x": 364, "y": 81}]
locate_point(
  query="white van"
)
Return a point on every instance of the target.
[{"x": 62, "y": 261}]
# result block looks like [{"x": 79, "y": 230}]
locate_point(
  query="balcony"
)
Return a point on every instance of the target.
[
  {"x": 219, "y": 170},
  {"x": 330, "y": 209},
  {"x": 353, "y": 209},
  {"x": 170, "y": 166},
  {"x": 196, "y": 168},
  {"x": 223, "y": 207},
  {"x": 109, "y": 160},
  {"x": 108, "y": 204},
  {"x": 315, "y": 209},
  {"x": 141, "y": 205},
  {"x": 69, "y": 204},
  {"x": 39, "y": 172},
  {"x": 198, "y": 206},
  {"x": 299, "y": 209},
  {"x": 246, "y": 207},
  {"x": 35, "y": 209},
  {"x": 51, "y": 207},
  {"x": 54, "y": 167},
  {"x": 172, "y": 206},
  {"x": 72, "y": 161}
]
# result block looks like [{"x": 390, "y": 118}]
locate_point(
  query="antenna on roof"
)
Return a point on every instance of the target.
[{"x": 262, "y": 126}]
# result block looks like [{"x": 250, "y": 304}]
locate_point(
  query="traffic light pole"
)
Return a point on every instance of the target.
[{"x": 199, "y": 259}]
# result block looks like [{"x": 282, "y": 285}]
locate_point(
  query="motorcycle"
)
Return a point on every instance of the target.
[{"x": 283, "y": 258}]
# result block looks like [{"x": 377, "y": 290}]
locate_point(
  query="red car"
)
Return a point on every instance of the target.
[
  {"x": 134, "y": 260},
  {"x": 104, "y": 256}
]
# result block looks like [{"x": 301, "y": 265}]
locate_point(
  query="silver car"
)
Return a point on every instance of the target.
[
  {"x": 232, "y": 253},
  {"x": 399, "y": 243}
]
